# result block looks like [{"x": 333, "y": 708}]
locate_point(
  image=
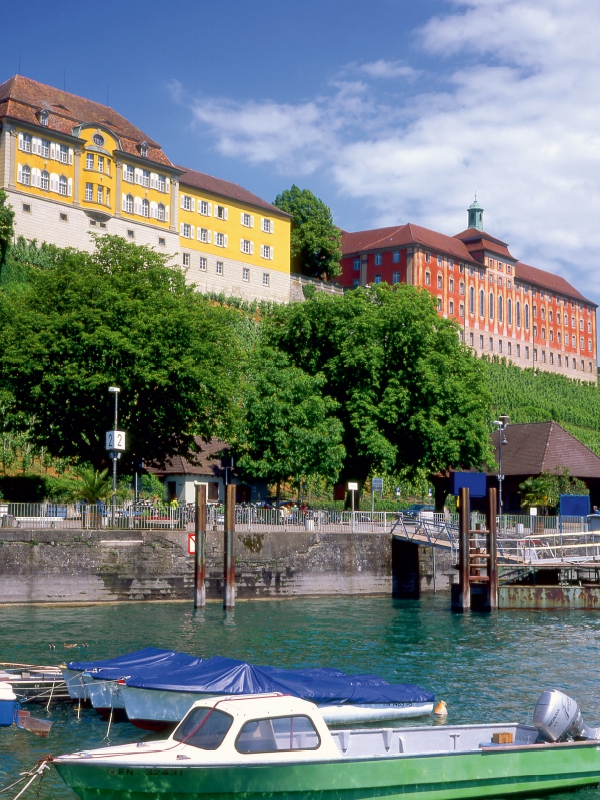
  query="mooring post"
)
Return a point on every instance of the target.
[
  {"x": 492, "y": 549},
  {"x": 464, "y": 525},
  {"x": 200, "y": 550},
  {"x": 229, "y": 557}
]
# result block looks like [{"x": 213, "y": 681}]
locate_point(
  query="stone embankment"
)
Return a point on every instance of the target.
[{"x": 79, "y": 566}]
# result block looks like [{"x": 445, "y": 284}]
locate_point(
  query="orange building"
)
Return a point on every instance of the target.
[{"x": 504, "y": 307}]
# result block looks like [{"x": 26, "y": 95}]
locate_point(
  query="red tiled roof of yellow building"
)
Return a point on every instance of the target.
[
  {"x": 23, "y": 99},
  {"x": 207, "y": 183}
]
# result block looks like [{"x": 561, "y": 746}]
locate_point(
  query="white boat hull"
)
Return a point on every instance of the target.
[
  {"x": 75, "y": 685},
  {"x": 156, "y": 709}
]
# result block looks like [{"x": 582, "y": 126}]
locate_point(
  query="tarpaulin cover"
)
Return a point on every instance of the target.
[
  {"x": 148, "y": 659},
  {"x": 219, "y": 675}
]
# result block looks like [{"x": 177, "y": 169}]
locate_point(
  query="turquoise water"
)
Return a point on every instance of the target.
[{"x": 488, "y": 668}]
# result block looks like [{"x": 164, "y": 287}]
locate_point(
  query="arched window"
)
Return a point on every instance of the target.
[
  {"x": 491, "y": 305},
  {"x": 129, "y": 204},
  {"x": 62, "y": 185},
  {"x": 500, "y": 308},
  {"x": 527, "y": 315},
  {"x": 481, "y": 303},
  {"x": 145, "y": 208},
  {"x": 45, "y": 180},
  {"x": 509, "y": 311},
  {"x": 26, "y": 175},
  {"x": 471, "y": 300},
  {"x": 160, "y": 211},
  {"x": 518, "y": 313}
]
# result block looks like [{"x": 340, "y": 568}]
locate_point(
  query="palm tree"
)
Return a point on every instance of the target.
[{"x": 93, "y": 485}]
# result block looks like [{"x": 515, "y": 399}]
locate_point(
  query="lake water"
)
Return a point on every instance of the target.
[{"x": 488, "y": 668}]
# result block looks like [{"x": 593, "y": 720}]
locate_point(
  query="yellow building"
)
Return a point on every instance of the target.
[{"x": 72, "y": 167}]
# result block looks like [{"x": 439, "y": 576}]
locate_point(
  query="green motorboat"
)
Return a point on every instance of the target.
[{"x": 276, "y": 746}]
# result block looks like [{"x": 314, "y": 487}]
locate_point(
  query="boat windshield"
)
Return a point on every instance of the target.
[
  {"x": 204, "y": 728},
  {"x": 281, "y": 733}
]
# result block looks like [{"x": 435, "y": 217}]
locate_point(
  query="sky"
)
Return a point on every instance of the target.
[{"x": 391, "y": 111}]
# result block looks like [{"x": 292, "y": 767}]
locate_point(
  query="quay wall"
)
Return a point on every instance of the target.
[{"x": 79, "y": 566}]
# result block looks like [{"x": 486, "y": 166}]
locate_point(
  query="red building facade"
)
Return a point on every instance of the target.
[{"x": 504, "y": 307}]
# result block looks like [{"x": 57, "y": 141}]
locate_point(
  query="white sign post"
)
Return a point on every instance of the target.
[
  {"x": 115, "y": 440},
  {"x": 353, "y": 487}
]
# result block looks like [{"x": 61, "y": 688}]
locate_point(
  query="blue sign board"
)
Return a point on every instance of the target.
[
  {"x": 574, "y": 505},
  {"x": 475, "y": 482}
]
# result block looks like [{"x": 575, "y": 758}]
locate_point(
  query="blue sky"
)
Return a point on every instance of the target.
[{"x": 391, "y": 111}]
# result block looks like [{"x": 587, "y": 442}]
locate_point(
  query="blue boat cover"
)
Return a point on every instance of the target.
[
  {"x": 148, "y": 659},
  {"x": 220, "y": 675}
]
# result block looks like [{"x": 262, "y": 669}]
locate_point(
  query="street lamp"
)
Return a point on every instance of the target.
[
  {"x": 111, "y": 446},
  {"x": 502, "y": 425}
]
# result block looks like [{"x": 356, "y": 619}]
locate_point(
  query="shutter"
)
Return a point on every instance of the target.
[
  {"x": 167, "y": 185},
  {"x": 208, "y": 236},
  {"x": 251, "y": 248},
  {"x": 191, "y": 231},
  {"x": 123, "y": 202},
  {"x": 70, "y": 155},
  {"x": 251, "y": 220},
  {"x": 193, "y": 204},
  {"x": 166, "y": 213},
  {"x": 137, "y": 206},
  {"x": 36, "y": 179},
  {"x": 180, "y": 201},
  {"x": 225, "y": 217},
  {"x": 153, "y": 180},
  {"x": 242, "y": 245},
  {"x": 20, "y": 141},
  {"x": 19, "y": 173},
  {"x": 34, "y": 144},
  {"x": 54, "y": 182},
  {"x": 124, "y": 171},
  {"x": 210, "y": 209},
  {"x": 225, "y": 240},
  {"x": 270, "y": 252},
  {"x": 70, "y": 187},
  {"x": 241, "y": 217},
  {"x": 137, "y": 176},
  {"x": 271, "y": 226},
  {"x": 181, "y": 228},
  {"x": 53, "y": 151}
]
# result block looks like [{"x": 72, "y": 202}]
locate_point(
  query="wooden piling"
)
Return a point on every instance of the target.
[
  {"x": 229, "y": 556},
  {"x": 200, "y": 550},
  {"x": 463, "y": 600},
  {"x": 492, "y": 549}
]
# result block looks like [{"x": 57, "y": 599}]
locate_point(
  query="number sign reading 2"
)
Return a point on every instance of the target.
[{"x": 115, "y": 440}]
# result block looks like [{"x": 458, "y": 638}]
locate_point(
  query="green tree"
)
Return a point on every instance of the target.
[
  {"x": 289, "y": 428},
  {"x": 118, "y": 316},
  {"x": 93, "y": 485},
  {"x": 544, "y": 490},
  {"x": 7, "y": 216},
  {"x": 316, "y": 243},
  {"x": 412, "y": 399}
]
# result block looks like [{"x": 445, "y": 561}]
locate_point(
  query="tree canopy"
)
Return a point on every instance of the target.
[
  {"x": 316, "y": 242},
  {"x": 410, "y": 396},
  {"x": 7, "y": 216},
  {"x": 289, "y": 429},
  {"x": 118, "y": 316}
]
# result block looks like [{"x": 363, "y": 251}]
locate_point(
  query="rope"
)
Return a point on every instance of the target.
[{"x": 38, "y": 770}]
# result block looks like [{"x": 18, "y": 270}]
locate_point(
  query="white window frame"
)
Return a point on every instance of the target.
[
  {"x": 266, "y": 279},
  {"x": 63, "y": 183},
  {"x": 221, "y": 212},
  {"x": 219, "y": 268},
  {"x": 203, "y": 263},
  {"x": 266, "y": 251},
  {"x": 245, "y": 273},
  {"x": 204, "y": 235},
  {"x": 89, "y": 161},
  {"x": 205, "y": 208},
  {"x": 267, "y": 225},
  {"x": 246, "y": 246}
]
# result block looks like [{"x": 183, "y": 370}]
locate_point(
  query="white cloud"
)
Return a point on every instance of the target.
[
  {"x": 518, "y": 120},
  {"x": 387, "y": 69}
]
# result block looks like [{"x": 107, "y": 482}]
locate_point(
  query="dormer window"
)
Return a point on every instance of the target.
[
  {"x": 144, "y": 149},
  {"x": 44, "y": 117}
]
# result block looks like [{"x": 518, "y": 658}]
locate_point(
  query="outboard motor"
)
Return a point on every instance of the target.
[{"x": 557, "y": 718}]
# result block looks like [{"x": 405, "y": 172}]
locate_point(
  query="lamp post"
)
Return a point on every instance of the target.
[
  {"x": 114, "y": 453},
  {"x": 501, "y": 424}
]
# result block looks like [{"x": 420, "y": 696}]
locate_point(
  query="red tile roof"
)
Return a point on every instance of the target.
[
  {"x": 205, "y": 462},
  {"x": 207, "y": 183},
  {"x": 22, "y": 99},
  {"x": 549, "y": 281},
  {"x": 535, "y": 447},
  {"x": 398, "y": 236},
  {"x": 475, "y": 240}
]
